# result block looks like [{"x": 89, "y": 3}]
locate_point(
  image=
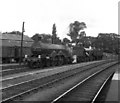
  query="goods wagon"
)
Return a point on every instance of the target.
[
  {"x": 12, "y": 53},
  {"x": 10, "y": 45}
]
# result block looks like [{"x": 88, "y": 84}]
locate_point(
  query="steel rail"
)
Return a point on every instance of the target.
[
  {"x": 25, "y": 74},
  {"x": 104, "y": 83},
  {"x": 12, "y": 97},
  {"x": 80, "y": 83},
  {"x": 39, "y": 71},
  {"x": 6, "y": 70},
  {"x": 38, "y": 78}
]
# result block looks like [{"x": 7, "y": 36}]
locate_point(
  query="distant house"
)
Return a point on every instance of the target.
[{"x": 10, "y": 45}]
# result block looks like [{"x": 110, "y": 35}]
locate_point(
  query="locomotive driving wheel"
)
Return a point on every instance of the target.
[
  {"x": 31, "y": 65},
  {"x": 61, "y": 60},
  {"x": 54, "y": 61},
  {"x": 48, "y": 63}
]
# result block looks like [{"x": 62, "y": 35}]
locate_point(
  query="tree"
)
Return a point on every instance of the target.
[
  {"x": 55, "y": 39},
  {"x": 13, "y": 32},
  {"x": 58, "y": 40},
  {"x": 66, "y": 41},
  {"x": 46, "y": 38},
  {"x": 82, "y": 34},
  {"x": 54, "y": 35},
  {"x": 108, "y": 42},
  {"x": 74, "y": 30}
]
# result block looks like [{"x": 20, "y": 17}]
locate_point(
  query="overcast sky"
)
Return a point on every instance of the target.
[{"x": 100, "y": 16}]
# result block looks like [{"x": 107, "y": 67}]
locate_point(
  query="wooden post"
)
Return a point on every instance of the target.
[{"x": 21, "y": 49}]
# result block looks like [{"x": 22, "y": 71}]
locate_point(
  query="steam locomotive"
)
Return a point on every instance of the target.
[{"x": 47, "y": 54}]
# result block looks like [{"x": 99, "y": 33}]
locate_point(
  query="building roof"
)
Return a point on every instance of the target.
[
  {"x": 14, "y": 37},
  {"x": 10, "y": 40}
]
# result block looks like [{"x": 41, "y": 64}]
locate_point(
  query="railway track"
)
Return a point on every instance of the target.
[
  {"x": 31, "y": 85},
  {"x": 11, "y": 66},
  {"x": 30, "y": 73},
  {"x": 88, "y": 89},
  {"x": 27, "y": 76},
  {"x": 10, "y": 70},
  {"x": 16, "y": 70}
]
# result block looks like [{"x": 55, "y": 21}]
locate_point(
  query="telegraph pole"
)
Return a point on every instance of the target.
[{"x": 21, "y": 49}]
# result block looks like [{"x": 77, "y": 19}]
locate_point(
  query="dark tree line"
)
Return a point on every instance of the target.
[
  {"x": 108, "y": 42},
  {"x": 48, "y": 38},
  {"x": 13, "y": 32}
]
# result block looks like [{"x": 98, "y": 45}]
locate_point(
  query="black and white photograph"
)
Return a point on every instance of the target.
[{"x": 59, "y": 51}]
